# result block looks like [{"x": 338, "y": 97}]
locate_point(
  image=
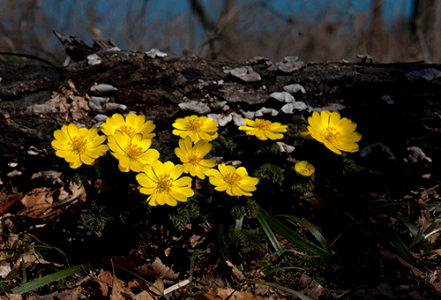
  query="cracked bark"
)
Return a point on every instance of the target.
[{"x": 155, "y": 87}]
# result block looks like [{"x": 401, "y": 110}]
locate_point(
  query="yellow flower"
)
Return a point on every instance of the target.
[
  {"x": 78, "y": 145},
  {"x": 335, "y": 133},
  {"x": 304, "y": 168},
  {"x": 264, "y": 129},
  {"x": 197, "y": 128},
  {"x": 131, "y": 125},
  {"x": 132, "y": 152},
  {"x": 234, "y": 181},
  {"x": 161, "y": 181},
  {"x": 192, "y": 158}
]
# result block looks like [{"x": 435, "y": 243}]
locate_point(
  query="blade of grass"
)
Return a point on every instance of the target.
[
  {"x": 434, "y": 224},
  {"x": 237, "y": 229},
  {"x": 29, "y": 286},
  {"x": 318, "y": 236},
  {"x": 402, "y": 249},
  {"x": 393, "y": 238},
  {"x": 412, "y": 227},
  {"x": 223, "y": 243},
  {"x": 283, "y": 288},
  {"x": 418, "y": 233},
  {"x": 292, "y": 235},
  {"x": 190, "y": 275},
  {"x": 268, "y": 231},
  {"x": 282, "y": 269},
  {"x": 56, "y": 249},
  {"x": 25, "y": 274},
  {"x": 260, "y": 262}
]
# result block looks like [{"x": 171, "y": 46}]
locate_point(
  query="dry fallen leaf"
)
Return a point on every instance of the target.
[
  {"x": 118, "y": 290},
  {"x": 29, "y": 258},
  {"x": 144, "y": 295},
  {"x": 6, "y": 201},
  {"x": 71, "y": 105},
  {"x": 310, "y": 287},
  {"x": 236, "y": 272},
  {"x": 157, "y": 269},
  {"x": 104, "y": 279},
  {"x": 36, "y": 202},
  {"x": 5, "y": 269},
  {"x": 225, "y": 293},
  {"x": 12, "y": 297}
]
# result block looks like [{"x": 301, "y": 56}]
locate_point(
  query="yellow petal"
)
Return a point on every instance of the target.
[
  {"x": 73, "y": 130},
  {"x": 334, "y": 119},
  {"x": 61, "y": 136}
]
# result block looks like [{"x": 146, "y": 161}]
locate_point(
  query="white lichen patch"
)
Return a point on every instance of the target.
[
  {"x": 416, "y": 154},
  {"x": 93, "y": 60},
  {"x": 283, "y": 97},
  {"x": 289, "y": 67},
  {"x": 290, "y": 107},
  {"x": 266, "y": 111},
  {"x": 153, "y": 53},
  {"x": 195, "y": 106},
  {"x": 285, "y": 147},
  {"x": 333, "y": 107},
  {"x": 246, "y": 74},
  {"x": 294, "y": 88},
  {"x": 428, "y": 74},
  {"x": 222, "y": 119},
  {"x": 103, "y": 88},
  {"x": 378, "y": 147}
]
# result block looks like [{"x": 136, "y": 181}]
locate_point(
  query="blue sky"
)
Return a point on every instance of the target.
[{"x": 73, "y": 17}]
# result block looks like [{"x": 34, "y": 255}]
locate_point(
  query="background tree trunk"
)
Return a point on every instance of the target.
[{"x": 426, "y": 22}]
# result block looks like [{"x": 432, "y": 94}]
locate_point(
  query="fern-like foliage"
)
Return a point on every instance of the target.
[
  {"x": 248, "y": 208},
  {"x": 252, "y": 240},
  {"x": 184, "y": 213},
  {"x": 349, "y": 166},
  {"x": 271, "y": 149},
  {"x": 269, "y": 173},
  {"x": 303, "y": 187},
  {"x": 97, "y": 218}
]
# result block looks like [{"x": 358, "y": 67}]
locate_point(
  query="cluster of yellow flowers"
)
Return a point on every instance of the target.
[{"x": 130, "y": 139}]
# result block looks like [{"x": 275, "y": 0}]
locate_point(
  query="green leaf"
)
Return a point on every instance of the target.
[
  {"x": 386, "y": 237},
  {"x": 282, "y": 269},
  {"x": 190, "y": 275},
  {"x": 434, "y": 224},
  {"x": 45, "y": 247},
  {"x": 29, "y": 286},
  {"x": 291, "y": 235},
  {"x": 283, "y": 288},
  {"x": 318, "y": 236},
  {"x": 237, "y": 229},
  {"x": 261, "y": 218},
  {"x": 223, "y": 243}
]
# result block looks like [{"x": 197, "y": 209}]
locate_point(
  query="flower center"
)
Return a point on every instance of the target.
[
  {"x": 133, "y": 151},
  {"x": 194, "y": 125},
  {"x": 195, "y": 158},
  {"x": 330, "y": 134},
  {"x": 78, "y": 144},
  {"x": 164, "y": 184},
  {"x": 263, "y": 124},
  {"x": 232, "y": 178},
  {"x": 128, "y": 129}
]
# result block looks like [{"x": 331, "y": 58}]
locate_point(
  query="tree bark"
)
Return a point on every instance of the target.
[
  {"x": 426, "y": 24},
  {"x": 393, "y": 104}
]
